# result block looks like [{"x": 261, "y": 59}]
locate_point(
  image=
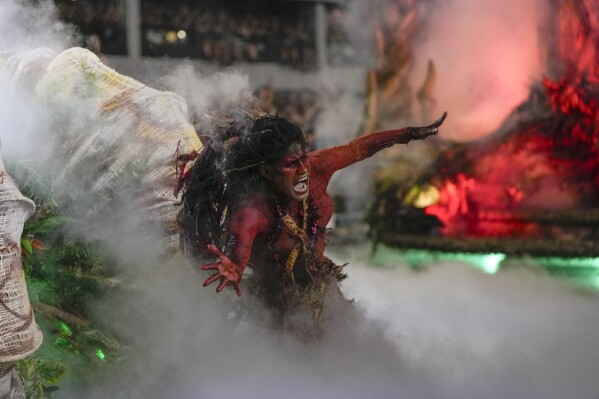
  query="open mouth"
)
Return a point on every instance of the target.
[{"x": 301, "y": 186}]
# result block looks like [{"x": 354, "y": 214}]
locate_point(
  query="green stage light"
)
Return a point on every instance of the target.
[
  {"x": 100, "y": 354},
  {"x": 580, "y": 271},
  {"x": 64, "y": 327}
]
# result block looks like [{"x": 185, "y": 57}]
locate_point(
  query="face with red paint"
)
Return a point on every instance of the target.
[{"x": 288, "y": 177}]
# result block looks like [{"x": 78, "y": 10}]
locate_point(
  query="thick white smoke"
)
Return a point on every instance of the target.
[
  {"x": 209, "y": 96},
  {"x": 25, "y": 25},
  {"x": 519, "y": 333},
  {"x": 447, "y": 332}
]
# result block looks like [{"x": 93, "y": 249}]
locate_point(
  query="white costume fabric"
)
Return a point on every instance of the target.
[
  {"x": 92, "y": 125},
  {"x": 19, "y": 334}
]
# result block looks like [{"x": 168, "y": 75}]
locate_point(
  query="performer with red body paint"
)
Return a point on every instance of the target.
[{"x": 256, "y": 198}]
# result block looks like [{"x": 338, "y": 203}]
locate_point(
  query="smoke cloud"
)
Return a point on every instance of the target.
[
  {"x": 25, "y": 25},
  {"x": 487, "y": 55},
  {"x": 449, "y": 331},
  {"x": 210, "y": 97},
  {"x": 520, "y": 333}
]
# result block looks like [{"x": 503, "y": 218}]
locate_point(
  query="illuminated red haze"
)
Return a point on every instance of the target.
[{"x": 549, "y": 162}]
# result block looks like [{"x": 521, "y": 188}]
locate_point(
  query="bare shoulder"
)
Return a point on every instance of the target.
[
  {"x": 318, "y": 162},
  {"x": 253, "y": 206}
]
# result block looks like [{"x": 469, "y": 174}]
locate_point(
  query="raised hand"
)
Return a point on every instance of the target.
[
  {"x": 226, "y": 270},
  {"x": 419, "y": 133}
]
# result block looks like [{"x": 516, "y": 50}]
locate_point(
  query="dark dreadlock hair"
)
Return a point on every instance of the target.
[{"x": 226, "y": 168}]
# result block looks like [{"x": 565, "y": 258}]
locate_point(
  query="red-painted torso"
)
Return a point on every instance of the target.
[
  {"x": 251, "y": 223},
  {"x": 256, "y": 214}
]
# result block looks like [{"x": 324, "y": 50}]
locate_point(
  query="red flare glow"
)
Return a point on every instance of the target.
[{"x": 552, "y": 164}]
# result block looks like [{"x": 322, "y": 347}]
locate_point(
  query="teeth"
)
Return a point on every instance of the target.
[{"x": 301, "y": 187}]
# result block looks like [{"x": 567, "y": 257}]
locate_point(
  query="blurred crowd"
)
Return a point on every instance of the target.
[
  {"x": 228, "y": 33},
  {"x": 100, "y": 23},
  {"x": 224, "y": 32}
]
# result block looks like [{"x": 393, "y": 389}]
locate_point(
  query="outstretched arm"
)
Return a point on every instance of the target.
[
  {"x": 244, "y": 225},
  {"x": 335, "y": 158}
]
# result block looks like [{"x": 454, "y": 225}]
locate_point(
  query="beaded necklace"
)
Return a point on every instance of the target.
[
  {"x": 299, "y": 232},
  {"x": 307, "y": 235}
]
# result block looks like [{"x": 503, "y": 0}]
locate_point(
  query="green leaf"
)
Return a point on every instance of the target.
[
  {"x": 52, "y": 372},
  {"x": 24, "y": 368},
  {"x": 45, "y": 225},
  {"x": 38, "y": 392},
  {"x": 26, "y": 245}
]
